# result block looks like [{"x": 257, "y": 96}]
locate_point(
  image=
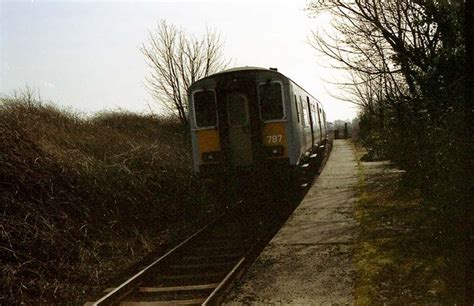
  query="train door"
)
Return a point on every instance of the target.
[
  {"x": 240, "y": 130},
  {"x": 304, "y": 123},
  {"x": 311, "y": 123},
  {"x": 319, "y": 120}
]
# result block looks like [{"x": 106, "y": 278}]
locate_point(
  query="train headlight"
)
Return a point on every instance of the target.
[
  {"x": 211, "y": 156},
  {"x": 275, "y": 150}
]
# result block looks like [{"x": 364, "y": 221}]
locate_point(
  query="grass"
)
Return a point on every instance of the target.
[
  {"x": 80, "y": 197},
  {"x": 403, "y": 256}
]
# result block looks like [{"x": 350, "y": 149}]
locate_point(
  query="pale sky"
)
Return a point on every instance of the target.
[{"x": 84, "y": 55}]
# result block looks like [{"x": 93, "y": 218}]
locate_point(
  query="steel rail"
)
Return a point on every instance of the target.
[
  {"x": 224, "y": 282},
  {"x": 126, "y": 286}
]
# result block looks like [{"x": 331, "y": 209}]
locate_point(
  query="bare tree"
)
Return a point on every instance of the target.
[
  {"x": 176, "y": 60},
  {"x": 28, "y": 95},
  {"x": 400, "y": 39}
]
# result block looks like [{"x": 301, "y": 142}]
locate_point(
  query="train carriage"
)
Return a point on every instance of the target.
[{"x": 250, "y": 117}]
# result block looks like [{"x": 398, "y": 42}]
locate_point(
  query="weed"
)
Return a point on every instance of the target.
[{"x": 403, "y": 255}]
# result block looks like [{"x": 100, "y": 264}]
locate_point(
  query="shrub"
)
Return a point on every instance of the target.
[{"x": 81, "y": 195}]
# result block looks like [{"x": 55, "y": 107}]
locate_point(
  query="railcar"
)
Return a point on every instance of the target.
[{"x": 251, "y": 117}]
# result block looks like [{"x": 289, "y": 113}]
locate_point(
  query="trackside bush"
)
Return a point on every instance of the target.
[{"x": 80, "y": 197}]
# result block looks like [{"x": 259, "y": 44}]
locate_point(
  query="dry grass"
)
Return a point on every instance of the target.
[{"x": 81, "y": 197}]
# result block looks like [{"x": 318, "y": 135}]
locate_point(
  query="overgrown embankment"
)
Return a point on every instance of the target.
[
  {"x": 404, "y": 254},
  {"x": 80, "y": 198}
]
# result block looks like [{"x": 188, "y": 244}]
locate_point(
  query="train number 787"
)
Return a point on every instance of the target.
[{"x": 274, "y": 138}]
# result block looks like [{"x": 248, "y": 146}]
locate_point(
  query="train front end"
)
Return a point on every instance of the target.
[{"x": 239, "y": 120}]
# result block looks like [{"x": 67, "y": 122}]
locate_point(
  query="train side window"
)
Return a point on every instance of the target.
[
  {"x": 297, "y": 109},
  {"x": 205, "y": 108},
  {"x": 305, "y": 117},
  {"x": 314, "y": 115},
  {"x": 302, "y": 112},
  {"x": 271, "y": 102},
  {"x": 319, "y": 115}
]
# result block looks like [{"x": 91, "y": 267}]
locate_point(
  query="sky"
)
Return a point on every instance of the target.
[{"x": 85, "y": 55}]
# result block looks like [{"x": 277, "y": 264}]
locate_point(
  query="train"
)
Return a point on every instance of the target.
[{"x": 249, "y": 118}]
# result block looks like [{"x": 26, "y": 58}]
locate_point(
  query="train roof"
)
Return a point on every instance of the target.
[
  {"x": 244, "y": 68},
  {"x": 238, "y": 69},
  {"x": 252, "y": 68}
]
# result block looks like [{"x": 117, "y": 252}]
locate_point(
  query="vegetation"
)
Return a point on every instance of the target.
[
  {"x": 407, "y": 60},
  {"x": 402, "y": 256},
  {"x": 80, "y": 197}
]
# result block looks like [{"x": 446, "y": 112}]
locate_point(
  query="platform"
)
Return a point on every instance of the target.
[{"x": 309, "y": 261}]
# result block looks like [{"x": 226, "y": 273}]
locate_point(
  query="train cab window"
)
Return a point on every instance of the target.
[
  {"x": 205, "y": 108},
  {"x": 271, "y": 103}
]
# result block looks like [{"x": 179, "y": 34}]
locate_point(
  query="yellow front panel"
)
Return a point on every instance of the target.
[
  {"x": 274, "y": 134},
  {"x": 208, "y": 141}
]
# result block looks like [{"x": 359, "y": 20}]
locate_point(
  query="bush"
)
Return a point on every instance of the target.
[{"x": 81, "y": 195}]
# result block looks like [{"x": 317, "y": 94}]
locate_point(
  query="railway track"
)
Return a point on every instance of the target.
[
  {"x": 196, "y": 271},
  {"x": 202, "y": 268}
]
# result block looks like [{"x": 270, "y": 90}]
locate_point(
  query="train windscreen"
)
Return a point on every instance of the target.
[
  {"x": 270, "y": 98},
  {"x": 205, "y": 108}
]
